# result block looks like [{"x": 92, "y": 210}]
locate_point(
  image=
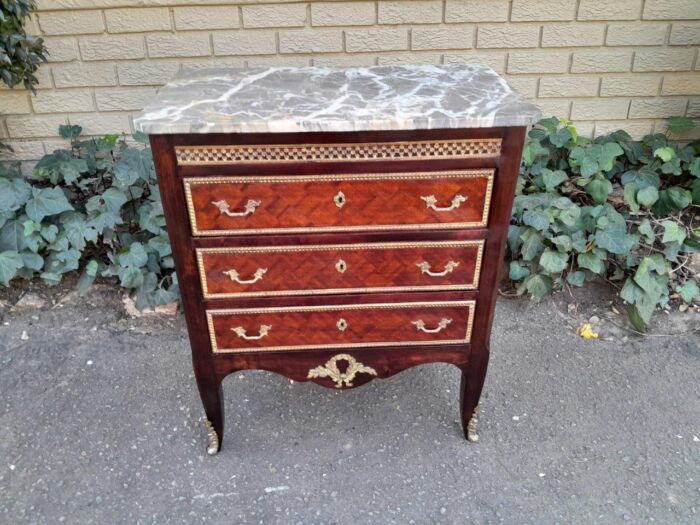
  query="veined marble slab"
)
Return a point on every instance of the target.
[{"x": 286, "y": 99}]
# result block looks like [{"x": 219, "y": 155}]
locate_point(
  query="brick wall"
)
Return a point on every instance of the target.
[{"x": 605, "y": 64}]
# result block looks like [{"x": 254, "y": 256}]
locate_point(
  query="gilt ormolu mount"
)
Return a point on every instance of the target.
[{"x": 337, "y": 225}]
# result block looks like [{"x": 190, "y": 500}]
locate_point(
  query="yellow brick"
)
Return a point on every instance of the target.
[
  {"x": 137, "y": 20},
  {"x": 584, "y": 128},
  {"x": 606, "y": 10},
  {"x": 681, "y": 85},
  {"x": 359, "y": 40},
  {"x": 61, "y": 49},
  {"x": 573, "y": 35},
  {"x": 22, "y": 150},
  {"x": 636, "y": 128},
  {"x": 637, "y": 34},
  {"x": 594, "y": 109},
  {"x": 245, "y": 43},
  {"x": 311, "y": 41},
  {"x": 570, "y": 86},
  {"x": 663, "y": 59},
  {"x": 147, "y": 73},
  {"x": 504, "y": 36},
  {"x": 415, "y": 12},
  {"x": 63, "y": 101},
  {"x": 535, "y": 10},
  {"x": 83, "y": 75},
  {"x": 526, "y": 86},
  {"x": 685, "y": 34},
  {"x": 657, "y": 107},
  {"x": 34, "y": 126},
  {"x": 123, "y": 99},
  {"x": 631, "y": 86},
  {"x": 495, "y": 60},
  {"x": 178, "y": 45},
  {"x": 554, "y": 107},
  {"x": 280, "y": 61},
  {"x": 77, "y": 22},
  {"x": 343, "y": 13},
  {"x": 344, "y": 61},
  {"x": 671, "y": 9},
  {"x": 476, "y": 10},
  {"x": 274, "y": 15},
  {"x": 112, "y": 47},
  {"x": 601, "y": 61},
  {"x": 14, "y": 103},
  {"x": 530, "y": 62},
  {"x": 210, "y": 17},
  {"x": 101, "y": 123},
  {"x": 448, "y": 37},
  {"x": 409, "y": 58}
]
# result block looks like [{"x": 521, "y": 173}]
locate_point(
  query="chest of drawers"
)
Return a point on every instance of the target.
[{"x": 334, "y": 225}]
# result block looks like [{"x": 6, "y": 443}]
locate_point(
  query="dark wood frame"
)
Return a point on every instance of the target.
[{"x": 210, "y": 369}]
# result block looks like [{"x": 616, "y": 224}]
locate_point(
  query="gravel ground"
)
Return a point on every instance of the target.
[{"x": 100, "y": 423}]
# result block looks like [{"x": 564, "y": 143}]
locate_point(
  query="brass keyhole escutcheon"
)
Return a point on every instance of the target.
[
  {"x": 341, "y": 266},
  {"x": 342, "y": 324},
  {"x": 340, "y": 199}
]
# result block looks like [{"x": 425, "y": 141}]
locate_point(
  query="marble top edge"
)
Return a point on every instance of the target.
[{"x": 308, "y": 99}]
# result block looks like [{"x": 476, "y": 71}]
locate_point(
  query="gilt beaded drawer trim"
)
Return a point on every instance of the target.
[
  {"x": 462, "y": 174},
  {"x": 201, "y": 252},
  {"x": 364, "y": 151},
  {"x": 335, "y": 308}
]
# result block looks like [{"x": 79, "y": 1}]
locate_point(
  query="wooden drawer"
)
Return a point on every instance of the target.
[
  {"x": 209, "y": 155},
  {"x": 339, "y": 202},
  {"x": 340, "y": 326},
  {"x": 339, "y": 268}
]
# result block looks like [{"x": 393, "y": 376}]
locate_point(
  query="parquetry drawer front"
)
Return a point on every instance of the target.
[
  {"x": 367, "y": 151},
  {"x": 344, "y": 326},
  {"x": 344, "y": 202},
  {"x": 339, "y": 268}
]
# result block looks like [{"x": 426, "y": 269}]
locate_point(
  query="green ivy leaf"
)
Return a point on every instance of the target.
[
  {"x": 590, "y": 261},
  {"x": 532, "y": 244},
  {"x": 688, "y": 291},
  {"x": 599, "y": 188},
  {"x": 135, "y": 255},
  {"x": 647, "y": 231},
  {"x": 672, "y": 200},
  {"x": 537, "y": 219},
  {"x": 665, "y": 154},
  {"x": 576, "y": 278},
  {"x": 46, "y": 202},
  {"x": 643, "y": 178},
  {"x": 648, "y": 196},
  {"x": 673, "y": 232},
  {"x": 538, "y": 285},
  {"x": 517, "y": 272},
  {"x": 69, "y": 132},
  {"x": 553, "y": 261},
  {"x": 130, "y": 277},
  {"x": 680, "y": 125},
  {"x": 552, "y": 179},
  {"x": 10, "y": 262},
  {"x": 636, "y": 318},
  {"x": 630, "y": 195}
]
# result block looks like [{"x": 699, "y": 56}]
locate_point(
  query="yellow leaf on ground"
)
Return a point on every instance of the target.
[{"x": 586, "y": 331}]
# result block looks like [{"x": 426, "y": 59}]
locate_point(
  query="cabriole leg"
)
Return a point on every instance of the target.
[
  {"x": 472, "y": 382},
  {"x": 211, "y": 392}
]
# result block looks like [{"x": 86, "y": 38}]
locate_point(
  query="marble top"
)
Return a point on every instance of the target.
[{"x": 287, "y": 99}]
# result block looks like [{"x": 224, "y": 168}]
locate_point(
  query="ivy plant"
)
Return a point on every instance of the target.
[
  {"x": 612, "y": 207},
  {"x": 95, "y": 208},
  {"x": 20, "y": 53}
]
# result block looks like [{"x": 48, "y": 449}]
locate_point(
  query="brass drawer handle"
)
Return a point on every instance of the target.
[
  {"x": 241, "y": 332},
  {"x": 234, "y": 276},
  {"x": 420, "y": 325},
  {"x": 249, "y": 208},
  {"x": 431, "y": 202},
  {"x": 425, "y": 268}
]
